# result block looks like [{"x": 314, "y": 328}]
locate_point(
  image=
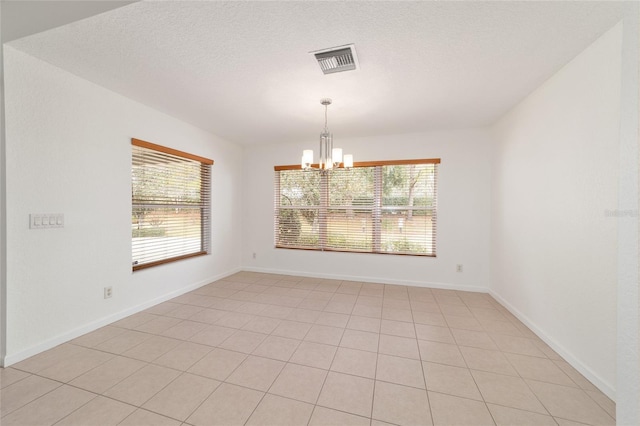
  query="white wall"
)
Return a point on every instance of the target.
[
  {"x": 463, "y": 212},
  {"x": 628, "y": 356},
  {"x": 3, "y": 222},
  {"x": 555, "y": 174},
  {"x": 68, "y": 151}
]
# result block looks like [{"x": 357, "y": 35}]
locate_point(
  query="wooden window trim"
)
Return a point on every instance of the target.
[
  {"x": 166, "y": 150},
  {"x": 278, "y": 246},
  {"x": 369, "y": 163},
  {"x": 170, "y": 260}
]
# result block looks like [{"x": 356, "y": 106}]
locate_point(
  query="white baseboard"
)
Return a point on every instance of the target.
[
  {"x": 568, "y": 356},
  {"x": 445, "y": 286},
  {"x": 11, "y": 359}
]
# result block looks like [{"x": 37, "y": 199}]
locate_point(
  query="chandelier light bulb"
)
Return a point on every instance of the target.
[
  {"x": 336, "y": 155},
  {"x": 307, "y": 158},
  {"x": 348, "y": 161}
]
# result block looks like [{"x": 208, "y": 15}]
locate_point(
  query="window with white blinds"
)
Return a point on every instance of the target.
[
  {"x": 171, "y": 203},
  {"x": 375, "y": 207}
]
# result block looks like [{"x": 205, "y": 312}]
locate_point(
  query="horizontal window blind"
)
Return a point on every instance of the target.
[
  {"x": 171, "y": 202},
  {"x": 385, "y": 207}
]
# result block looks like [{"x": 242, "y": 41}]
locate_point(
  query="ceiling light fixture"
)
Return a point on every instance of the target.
[{"x": 330, "y": 157}]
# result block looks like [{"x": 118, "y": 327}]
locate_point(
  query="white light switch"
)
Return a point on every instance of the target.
[{"x": 46, "y": 220}]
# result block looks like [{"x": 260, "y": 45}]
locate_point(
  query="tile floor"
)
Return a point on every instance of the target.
[{"x": 261, "y": 349}]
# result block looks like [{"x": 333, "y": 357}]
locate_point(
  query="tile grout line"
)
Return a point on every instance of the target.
[
  {"x": 86, "y": 403},
  {"x": 375, "y": 371},
  {"x": 524, "y": 381},
  {"x": 265, "y": 392},
  {"x": 424, "y": 376},
  {"x": 17, "y": 381},
  {"x": 4, "y": 415},
  {"x": 472, "y": 377},
  {"x": 202, "y": 402},
  {"x": 270, "y": 386},
  {"x": 328, "y": 371}
]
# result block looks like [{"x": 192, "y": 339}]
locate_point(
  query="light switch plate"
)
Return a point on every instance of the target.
[{"x": 46, "y": 220}]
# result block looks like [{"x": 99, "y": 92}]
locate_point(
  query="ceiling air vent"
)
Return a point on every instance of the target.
[{"x": 337, "y": 59}]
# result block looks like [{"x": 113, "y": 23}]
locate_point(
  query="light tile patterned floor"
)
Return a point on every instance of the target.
[{"x": 261, "y": 349}]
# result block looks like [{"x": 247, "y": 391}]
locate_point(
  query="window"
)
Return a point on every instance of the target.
[
  {"x": 170, "y": 197},
  {"x": 377, "y": 207}
]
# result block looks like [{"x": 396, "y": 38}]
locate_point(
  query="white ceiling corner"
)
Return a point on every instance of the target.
[
  {"x": 21, "y": 18},
  {"x": 243, "y": 71}
]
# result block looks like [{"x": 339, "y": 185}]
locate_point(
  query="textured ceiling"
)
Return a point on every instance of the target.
[
  {"x": 20, "y": 18},
  {"x": 242, "y": 69}
]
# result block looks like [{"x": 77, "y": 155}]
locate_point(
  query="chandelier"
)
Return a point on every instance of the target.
[{"x": 330, "y": 157}]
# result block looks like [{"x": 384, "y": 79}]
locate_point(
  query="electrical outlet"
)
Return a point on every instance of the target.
[
  {"x": 108, "y": 291},
  {"x": 254, "y": 254},
  {"x": 459, "y": 267}
]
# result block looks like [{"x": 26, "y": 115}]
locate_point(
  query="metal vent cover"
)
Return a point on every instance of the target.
[{"x": 337, "y": 59}]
